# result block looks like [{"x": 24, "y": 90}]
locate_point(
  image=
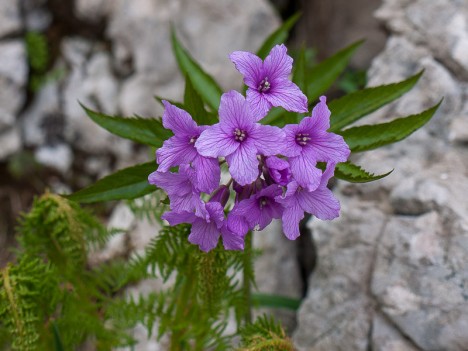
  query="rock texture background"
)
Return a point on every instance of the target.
[{"x": 392, "y": 271}]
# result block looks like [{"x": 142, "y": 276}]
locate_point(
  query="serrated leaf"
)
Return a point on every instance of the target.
[
  {"x": 148, "y": 131},
  {"x": 354, "y": 106},
  {"x": 275, "y": 301},
  {"x": 128, "y": 183},
  {"x": 279, "y": 36},
  {"x": 368, "y": 137},
  {"x": 194, "y": 105},
  {"x": 202, "y": 82},
  {"x": 355, "y": 174},
  {"x": 323, "y": 75}
]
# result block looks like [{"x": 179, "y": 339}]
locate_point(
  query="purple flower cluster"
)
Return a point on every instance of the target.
[{"x": 274, "y": 171}]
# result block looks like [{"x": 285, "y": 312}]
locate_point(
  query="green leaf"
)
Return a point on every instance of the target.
[
  {"x": 352, "y": 107},
  {"x": 279, "y": 36},
  {"x": 148, "y": 131},
  {"x": 322, "y": 76},
  {"x": 194, "y": 105},
  {"x": 175, "y": 103},
  {"x": 275, "y": 301},
  {"x": 202, "y": 82},
  {"x": 57, "y": 339},
  {"x": 128, "y": 183},
  {"x": 274, "y": 117},
  {"x": 368, "y": 137},
  {"x": 355, "y": 174}
]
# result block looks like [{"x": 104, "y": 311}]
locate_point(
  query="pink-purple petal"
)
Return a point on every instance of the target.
[
  {"x": 175, "y": 218},
  {"x": 205, "y": 235},
  {"x": 214, "y": 142},
  {"x": 249, "y": 65},
  {"x": 328, "y": 147},
  {"x": 291, "y": 148},
  {"x": 305, "y": 172},
  {"x": 321, "y": 115},
  {"x": 175, "y": 151},
  {"x": 178, "y": 120},
  {"x": 234, "y": 112},
  {"x": 291, "y": 218},
  {"x": 321, "y": 203},
  {"x": 278, "y": 64},
  {"x": 268, "y": 139},
  {"x": 259, "y": 105},
  {"x": 208, "y": 173},
  {"x": 243, "y": 164},
  {"x": 232, "y": 241},
  {"x": 287, "y": 95}
]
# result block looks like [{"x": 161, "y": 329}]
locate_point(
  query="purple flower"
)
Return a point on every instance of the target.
[
  {"x": 278, "y": 169},
  {"x": 180, "y": 149},
  {"x": 239, "y": 139},
  {"x": 180, "y": 188},
  {"x": 321, "y": 203},
  {"x": 206, "y": 230},
  {"x": 309, "y": 142},
  {"x": 256, "y": 212},
  {"x": 268, "y": 81}
]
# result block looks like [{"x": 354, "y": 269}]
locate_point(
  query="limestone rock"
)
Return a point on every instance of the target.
[
  {"x": 10, "y": 20},
  {"x": 10, "y": 142}
]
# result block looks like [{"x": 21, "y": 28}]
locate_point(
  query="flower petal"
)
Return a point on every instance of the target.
[
  {"x": 243, "y": 164},
  {"x": 178, "y": 120},
  {"x": 175, "y": 218},
  {"x": 291, "y": 218},
  {"x": 278, "y": 64},
  {"x": 237, "y": 224},
  {"x": 291, "y": 147},
  {"x": 249, "y": 65},
  {"x": 232, "y": 241},
  {"x": 172, "y": 183},
  {"x": 305, "y": 172},
  {"x": 214, "y": 142},
  {"x": 208, "y": 173},
  {"x": 259, "y": 105},
  {"x": 175, "y": 151},
  {"x": 205, "y": 235},
  {"x": 327, "y": 147},
  {"x": 268, "y": 140},
  {"x": 321, "y": 115},
  {"x": 287, "y": 95},
  {"x": 216, "y": 212},
  {"x": 321, "y": 203},
  {"x": 234, "y": 112}
]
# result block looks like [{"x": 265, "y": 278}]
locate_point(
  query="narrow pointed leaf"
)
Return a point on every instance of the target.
[
  {"x": 355, "y": 174},
  {"x": 275, "y": 301},
  {"x": 202, "y": 82},
  {"x": 323, "y": 75},
  {"x": 279, "y": 36},
  {"x": 368, "y": 137},
  {"x": 354, "y": 106},
  {"x": 274, "y": 117},
  {"x": 128, "y": 183},
  {"x": 194, "y": 105},
  {"x": 175, "y": 103},
  {"x": 148, "y": 131}
]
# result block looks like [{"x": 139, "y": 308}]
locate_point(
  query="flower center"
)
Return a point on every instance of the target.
[
  {"x": 264, "y": 85},
  {"x": 193, "y": 139},
  {"x": 240, "y": 135},
  {"x": 302, "y": 138},
  {"x": 262, "y": 202}
]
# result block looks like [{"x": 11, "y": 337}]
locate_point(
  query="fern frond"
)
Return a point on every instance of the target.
[
  {"x": 150, "y": 207},
  {"x": 28, "y": 293},
  {"x": 265, "y": 335}
]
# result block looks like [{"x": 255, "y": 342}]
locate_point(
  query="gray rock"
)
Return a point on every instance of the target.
[
  {"x": 10, "y": 142},
  {"x": 417, "y": 284},
  {"x": 337, "y": 312},
  {"x": 385, "y": 337},
  {"x": 92, "y": 10},
  {"x": 13, "y": 75},
  {"x": 277, "y": 269},
  {"x": 36, "y": 15},
  {"x": 7, "y": 119},
  {"x": 59, "y": 157},
  {"x": 10, "y": 20},
  {"x": 426, "y": 22}
]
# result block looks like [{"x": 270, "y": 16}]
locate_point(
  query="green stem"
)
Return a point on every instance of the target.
[
  {"x": 182, "y": 309},
  {"x": 247, "y": 284}
]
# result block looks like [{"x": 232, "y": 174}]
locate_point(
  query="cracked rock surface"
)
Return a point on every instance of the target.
[{"x": 392, "y": 271}]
